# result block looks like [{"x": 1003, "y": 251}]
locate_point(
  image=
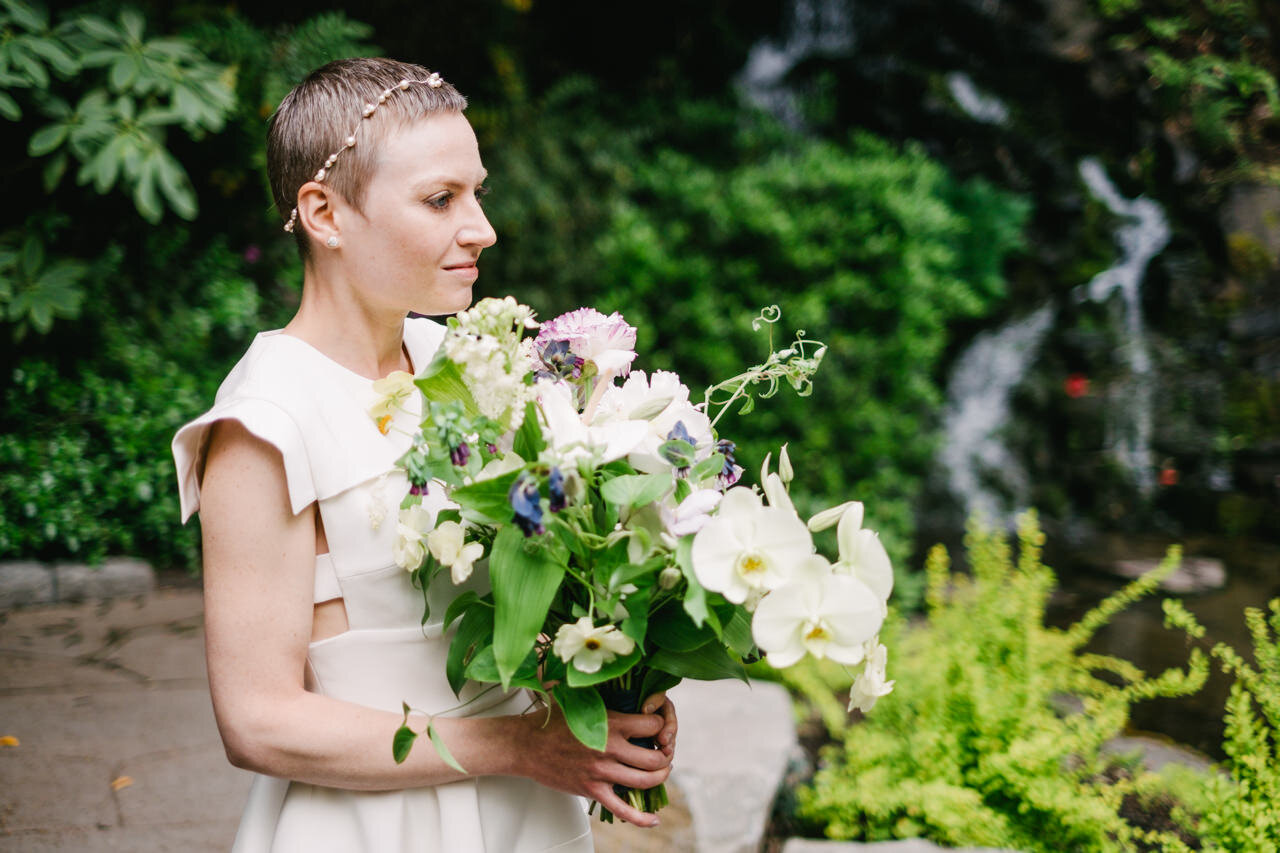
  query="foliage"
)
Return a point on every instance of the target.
[
  {"x": 127, "y": 91},
  {"x": 973, "y": 748},
  {"x": 1214, "y": 66},
  {"x": 85, "y": 469},
  {"x": 1241, "y": 812}
]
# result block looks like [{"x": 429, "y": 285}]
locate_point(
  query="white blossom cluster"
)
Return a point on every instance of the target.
[{"x": 486, "y": 345}]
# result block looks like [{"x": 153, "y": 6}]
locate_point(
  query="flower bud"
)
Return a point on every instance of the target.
[
  {"x": 785, "y": 471},
  {"x": 830, "y": 517},
  {"x": 669, "y": 577}
]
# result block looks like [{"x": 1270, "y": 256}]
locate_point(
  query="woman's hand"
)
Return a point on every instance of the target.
[
  {"x": 658, "y": 703},
  {"x": 555, "y": 758}
]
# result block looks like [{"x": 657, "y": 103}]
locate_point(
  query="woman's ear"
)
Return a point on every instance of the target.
[{"x": 317, "y": 212}]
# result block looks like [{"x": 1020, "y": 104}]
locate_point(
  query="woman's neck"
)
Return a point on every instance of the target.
[{"x": 364, "y": 338}]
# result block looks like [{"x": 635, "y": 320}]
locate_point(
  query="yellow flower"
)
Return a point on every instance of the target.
[{"x": 392, "y": 390}]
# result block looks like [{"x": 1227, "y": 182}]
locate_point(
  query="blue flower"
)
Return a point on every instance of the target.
[
  {"x": 526, "y": 500},
  {"x": 679, "y": 448},
  {"x": 560, "y": 361},
  {"x": 555, "y": 485}
]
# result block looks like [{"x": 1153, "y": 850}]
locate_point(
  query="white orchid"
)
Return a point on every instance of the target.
[
  {"x": 870, "y": 684},
  {"x": 587, "y": 647},
  {"x": 447, "y": 543},
  {"x": 693, "y": 513},
  {"x": 571, "y": 439},
  {"x": 830, "y": 517},
  {"x": 748, "y": 547},
  {"x": 775, "y": 487},
  {"x": 660, "y": 401},
  {"x": 862, "y": 555},
  {"x": 411, "y": 527},
  {"x": 819, "y": 612}
]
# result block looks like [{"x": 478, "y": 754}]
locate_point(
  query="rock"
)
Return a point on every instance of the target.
[
  {"x": 1254, "y": 210},
  {"x": 1196, "y": 574},
  {"x": 25, "y": 583},
  {"x": 1157, "y": 752},
  {"x": 116, "y": 577},
  {"x": 912, "y": 845},
  {"x": 733, "y": 748}
]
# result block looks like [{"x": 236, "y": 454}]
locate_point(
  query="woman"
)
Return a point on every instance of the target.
[{"x": 313, "y": 634}]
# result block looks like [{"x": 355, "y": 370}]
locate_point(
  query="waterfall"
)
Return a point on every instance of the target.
[
  {"x": 978, "y": 394},
  {"x": 976, "y": 104},
  {"x": 814, "y": 28},
  {"x": 1141, "y": 237}
]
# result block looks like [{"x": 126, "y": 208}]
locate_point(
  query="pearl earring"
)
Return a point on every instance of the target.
[{"x": 332, "y": 242}]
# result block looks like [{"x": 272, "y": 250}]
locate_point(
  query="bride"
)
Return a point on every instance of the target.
[{"x": 313, "y": 634}]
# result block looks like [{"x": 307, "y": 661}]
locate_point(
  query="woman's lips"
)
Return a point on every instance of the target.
[{"x": 467, "y": 271}]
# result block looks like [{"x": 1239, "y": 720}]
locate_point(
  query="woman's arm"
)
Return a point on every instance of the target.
[{"x": 258, "y": 578}]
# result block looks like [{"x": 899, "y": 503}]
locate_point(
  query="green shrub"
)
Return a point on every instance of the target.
[
  {"x": 973, "y": 747},
  {"x": 1240, "y": 812}
]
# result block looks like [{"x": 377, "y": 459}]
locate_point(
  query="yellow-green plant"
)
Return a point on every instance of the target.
[
  {"x": 1240, "y": 811},
  {"x": 974, "y": 745}
]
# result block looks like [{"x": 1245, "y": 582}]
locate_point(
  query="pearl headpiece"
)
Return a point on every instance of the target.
[{"x": 434, "y": 80}]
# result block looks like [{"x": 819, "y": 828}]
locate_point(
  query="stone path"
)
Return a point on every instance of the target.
[{"x": 117, "y": 748}]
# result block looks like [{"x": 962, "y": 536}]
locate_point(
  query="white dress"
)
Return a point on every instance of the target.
[{"x": 316, "y": 412}]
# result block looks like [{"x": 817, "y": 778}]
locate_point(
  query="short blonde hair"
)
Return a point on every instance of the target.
[{"x": 315, "y": 119}]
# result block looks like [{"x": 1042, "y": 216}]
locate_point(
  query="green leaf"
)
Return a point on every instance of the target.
[
  {"x": 46, "y": 139},
  {"x": 706, "y": 663},
  {"x": 737, "y": 632},
  {"x": 612, "y": 669},
  {"x": 175, "y": 185},
  {"x": 441, "y": 749},
  {"x": 484, "y": 667},
  {"x": 145, "y": 197},
  {"x": 9, "y": 107},
  {"x": 636, "y": 489},
  {"x": 459, "y": 606},
  {"x": 53, "y": 53},
  {"x": 695, "y": 597},
  {"x": 525, "y": 580},
  {"x": 656, "y": 681},
  {"x": 123, "y": 72},
  {"x": 441, "y": 381},
  {"x": 636, "y": 625},
  {"x": 707, "y": 468},
  {"x": 53, "y": 171},
  {"x": 487, "y": 499},
  {"x": 585, "y": 714},
  {"x": 674, "y": 630},
  {"x": 135, "y": 26},
  {"x": 32, "y": 258},
  {"x": 99, "y": 29},
  {"x": 528, "y": 439},
  {"x": 402, "y": 742},
  {"x": 474, "y": 631},
  {"x": 33, "y": 19}
]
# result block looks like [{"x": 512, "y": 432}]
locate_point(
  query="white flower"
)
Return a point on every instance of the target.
[
  {"x": 447, "y": 543},
  {"x": 573, "y": 440},
  {"x": 775, "y": 488},
  {"x": 608, "y": 342},
  {"x": 870, "y": 684},
  {"x": 392, "y": 390},
  {"x": 819, "y": 612},
  {"x": 589, "y": 647},
  {"x": 862, "y": 555},
  {"x": 784, "y": 467},
  {"x": 411, "y": 527},
  {"x": 693, "y": 513},
  {"x": 660, "y": 401},
  {"x": 747, "y": 546}
]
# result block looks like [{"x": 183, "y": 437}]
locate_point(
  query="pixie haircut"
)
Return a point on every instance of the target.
[{"x": 315, "y": 119}]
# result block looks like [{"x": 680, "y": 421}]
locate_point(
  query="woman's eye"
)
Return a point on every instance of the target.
[
  {"x": 440, "y": 202},
  {"x": 481, "y": 192}
]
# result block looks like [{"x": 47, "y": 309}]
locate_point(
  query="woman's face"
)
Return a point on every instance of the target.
[{"x": 415, "y": 244}]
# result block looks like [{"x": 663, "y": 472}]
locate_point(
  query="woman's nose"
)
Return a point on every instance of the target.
[{"x": 478, "y": 232}]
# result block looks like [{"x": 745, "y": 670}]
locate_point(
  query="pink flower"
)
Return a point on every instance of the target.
[
  {"x": 608, "y": 342},
  {"x": 1076, "y": 385},
  {"x": 252, "y": 254}
]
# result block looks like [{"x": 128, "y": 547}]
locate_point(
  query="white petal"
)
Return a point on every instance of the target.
[
  {"x": 777, "y": 493},
  {"x": 870, "y": 563},
  {"x": 829, "y": 517},
  {"x": 850, "y": 523},
  {"x": 715, "y": 551}
]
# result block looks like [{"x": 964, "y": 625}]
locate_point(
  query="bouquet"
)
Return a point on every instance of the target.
[{"x": 622, "y": 555}]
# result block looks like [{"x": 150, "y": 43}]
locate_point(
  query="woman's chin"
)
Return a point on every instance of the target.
[{"x": 439, "y": 307}]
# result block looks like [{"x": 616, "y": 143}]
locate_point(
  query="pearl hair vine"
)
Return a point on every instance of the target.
[{"x": 434, "y": 80}]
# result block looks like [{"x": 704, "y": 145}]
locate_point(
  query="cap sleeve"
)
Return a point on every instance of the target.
[{"x": 267, "y": 421}]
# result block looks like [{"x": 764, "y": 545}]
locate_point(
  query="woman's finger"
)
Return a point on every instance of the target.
[
  {"x": 604, "y": 795},
  {"x": 640, "y": 757},
  {"x": 653, "y": 703},
  {"x": 635, "y": 725}
]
